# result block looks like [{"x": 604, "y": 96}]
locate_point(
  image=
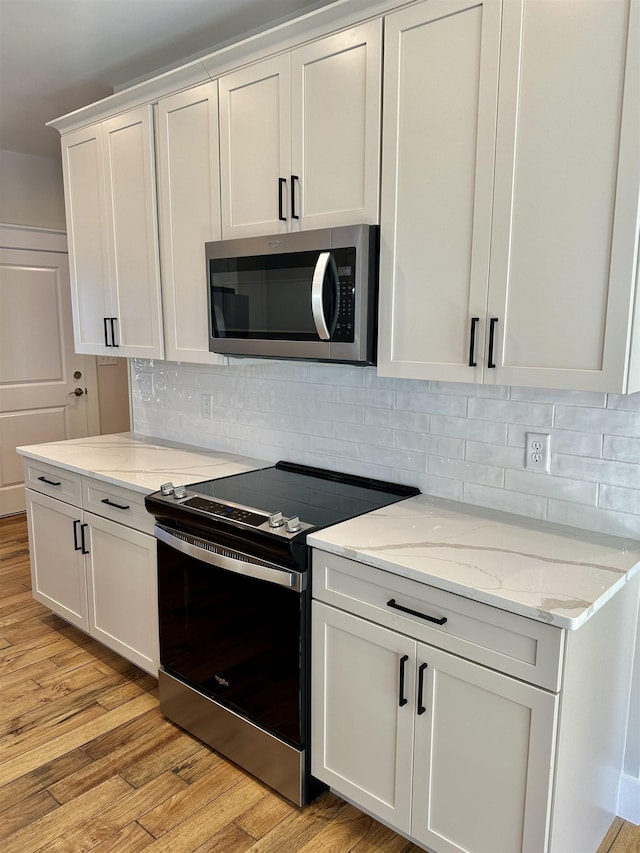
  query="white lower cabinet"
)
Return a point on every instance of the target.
[
  {"x": 453, "y": 754},
  {"x": 97, "y": 573}
]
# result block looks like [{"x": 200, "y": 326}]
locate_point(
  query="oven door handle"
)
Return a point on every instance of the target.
[{"x": 189, "y": 546}]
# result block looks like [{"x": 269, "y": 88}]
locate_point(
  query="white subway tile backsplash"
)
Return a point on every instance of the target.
[
  {"x": 608, "y": 421},
  {"x": 454, "y": 440},
  {"x": 595, "y": 470},
  {"x": 510, "y": 412}
]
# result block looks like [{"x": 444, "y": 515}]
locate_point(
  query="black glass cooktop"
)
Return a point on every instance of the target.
[{"x": 317, "y": 497}]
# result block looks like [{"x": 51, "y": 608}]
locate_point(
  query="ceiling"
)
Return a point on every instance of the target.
[{"x": 59, "y": 55}]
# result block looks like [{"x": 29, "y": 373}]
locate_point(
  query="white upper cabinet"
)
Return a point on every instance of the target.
[
  {"x": 441, "y": 85},
  {"x": 110, "y": 197},
  {"x": 189, "y": 213},
  {"x": 300, "y": 137},
  {"x": 509, "y": 224}
]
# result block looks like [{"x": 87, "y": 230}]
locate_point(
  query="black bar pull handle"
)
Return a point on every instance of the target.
[
  {"x": 392, "y": 603},
  {"x": 82, "y": 539},
  {"x": 402, "y": 699},
  {"x": 106, "y": 332},
  {"x": 421, "y": 671},
  {"x": 76, "y": 547},
  {"x": 117, "y": 506},
  {"x": 294, "y": 178},
  {"x": 49, "y": 482},
  {"x": 472, "y": 342},
  {"x": 492, "y": 337},
  {"x": 282, "y": 183},
  {"x": 113, "y": 321}
]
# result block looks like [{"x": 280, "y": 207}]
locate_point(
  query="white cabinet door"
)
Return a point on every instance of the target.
[
  {"x": 565, "y": 231},
  {"x": 255, "y": 148},
  {"x": 484, "y": 748},
  {"x": 82, "y": 161},
  {"x": 440, "y": 95},
  {"x": 361, "y": 735},
  {"x": 110, "y": 200},
  {"x": 189, "y": 207},
  {"x": 335, "y": 111},
  {"x": 58, "y": 577},
  {"x": 122, "y": 591},
  {"x": 133, "y": 233}
]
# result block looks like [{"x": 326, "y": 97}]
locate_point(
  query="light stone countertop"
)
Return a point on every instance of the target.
[
  {"x": 138, "y": 462},
  {"x": 548, "y": 572}
]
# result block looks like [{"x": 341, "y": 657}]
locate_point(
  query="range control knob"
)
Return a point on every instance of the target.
[
  {"x": 166, "y": 489},
  {"x": 293, "y": 524},
  {"x": 276, "y": 519},
  {"x": 180, "y": 492}
]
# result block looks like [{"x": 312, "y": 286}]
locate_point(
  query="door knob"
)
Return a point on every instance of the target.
[
  {"x": 77, "y": 392},
  {"x": 77, "y": 374}
]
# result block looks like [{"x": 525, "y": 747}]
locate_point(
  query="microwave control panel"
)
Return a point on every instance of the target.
[{"x": 344, "y": 330}]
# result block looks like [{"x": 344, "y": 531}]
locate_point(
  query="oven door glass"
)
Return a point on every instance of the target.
[
  {"x": 273, "y": 297},
  {"x": 237, "y": 639}
]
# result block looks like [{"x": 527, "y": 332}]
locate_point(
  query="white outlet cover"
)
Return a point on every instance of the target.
[{"x": 537, "y": 452}]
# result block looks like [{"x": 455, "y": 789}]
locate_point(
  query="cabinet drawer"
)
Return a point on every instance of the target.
[
  {"x": 506, "y": 642},
  {"x": 119, "y": 504},
  {"x": 53, "y": 481}
]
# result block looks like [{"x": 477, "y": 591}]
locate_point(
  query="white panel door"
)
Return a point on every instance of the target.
[
  {"x": 84, "y": 195},
  {"x": 255, "y": 148},
  {"x": 440, "y": 96},
  {"x": 484, "y": 749},
  {"x": 361, "y": 725},
  {"x": 132, "y": 233},
  {"x": 122, "y": 590},
  {"x": 37, "y": 363},
  {"x": 189, "y": 205},
  {"x": 335, "y": 109},
  {"x": 58, "y": 577},
  {"x": 565, "y": 232}
]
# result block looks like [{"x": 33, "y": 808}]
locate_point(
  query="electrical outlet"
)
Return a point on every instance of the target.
[
  {"x": 206, "y": 405},
  {"x": 537, "y": 451}
]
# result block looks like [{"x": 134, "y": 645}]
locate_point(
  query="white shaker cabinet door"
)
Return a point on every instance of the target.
[
  {"x": 255, "y": 148},
  {"x": 440, "y": 96},
  {"x": 133, "y": 233},
  {"x": 484, "y": 747},
  {"x": 361, "y": 733},
  {"x": 84, "y": 192},
  {"x": 58, "y": 574},
  {"x": 565, "y": 229},
  {"x": 189, "y": 206},
  {"x": 122, "y": 591},
  {"x": 335, "y": 110}
]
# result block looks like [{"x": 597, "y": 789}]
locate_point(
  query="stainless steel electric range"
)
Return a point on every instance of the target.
[{"x": 234, "y": 596}]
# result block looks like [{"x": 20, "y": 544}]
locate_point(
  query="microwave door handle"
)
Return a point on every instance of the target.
[{"x": 317, "y": 290}]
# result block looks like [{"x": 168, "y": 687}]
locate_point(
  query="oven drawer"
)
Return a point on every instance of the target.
[
  {"x": 507, "y": 642},
  {"x": 53, "y": 481},
  {"x": 119, "y": 504}
]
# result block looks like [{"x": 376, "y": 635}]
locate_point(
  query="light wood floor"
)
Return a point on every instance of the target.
[{"x": 87, "y": 761}]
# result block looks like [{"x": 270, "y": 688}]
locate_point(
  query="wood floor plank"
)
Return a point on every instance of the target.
[
  {"x": 231, "y": 839},
  {"x": 148, "y": 723},
  {"x": 198, "y": 764},
  {"x": 42, "y": 833},
  {"x": 88, "y": 832},
  {"x": 132, "y": 839},
  {"x": 265, "y": 815},
  {"x": 19, "y": 762},
  {"x": 101, "y": 769},
  {"x": 12, "y": 794},
  {"x": 183, "y": 805},
  {"x": 210, "y": 820},
  {"x": 31, "y": 809},
  {"x": 301, "y": 826}
]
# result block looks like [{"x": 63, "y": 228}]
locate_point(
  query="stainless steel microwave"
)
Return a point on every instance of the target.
[{"x": 307, "y": 295}]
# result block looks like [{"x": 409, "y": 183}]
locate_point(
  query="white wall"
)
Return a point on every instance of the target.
[{"x": 31, "y": 190}]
